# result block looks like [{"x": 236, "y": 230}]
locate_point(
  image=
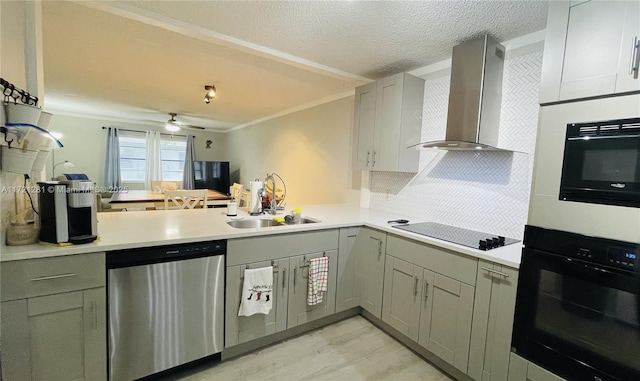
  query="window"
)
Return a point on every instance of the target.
[
  {"x": 133, "y": 156},
  {"x": 133, "y": 152}
]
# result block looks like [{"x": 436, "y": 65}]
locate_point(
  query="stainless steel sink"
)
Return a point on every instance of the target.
[{"x": 264, "y": 223}]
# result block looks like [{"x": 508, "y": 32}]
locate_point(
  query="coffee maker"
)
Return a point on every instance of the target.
[{"x": 68, "y": 210}]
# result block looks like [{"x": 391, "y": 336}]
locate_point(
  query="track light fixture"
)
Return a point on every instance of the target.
[
  {"x": 211, "y": 93},
  {"x": 172, "y": 125}
]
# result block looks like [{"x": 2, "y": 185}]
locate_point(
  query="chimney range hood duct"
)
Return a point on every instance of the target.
[{"x": 474, "y": 97}]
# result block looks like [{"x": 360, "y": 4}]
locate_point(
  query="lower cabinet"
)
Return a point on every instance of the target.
[
  {"x": 372, "y": 245},
  {"x": 492, "y": 322},
  {"x": 53, "y": 324},
  {"x": 428, "y": 297},
  {"x": 239, "y": 330},
  {"x": 299, "y": 312},
  {"x": 289, "y": 254},
  {"x": 445, "y": 318},
  {"x": 349, "y": 270},
  {"x": 523, "y": 370}
]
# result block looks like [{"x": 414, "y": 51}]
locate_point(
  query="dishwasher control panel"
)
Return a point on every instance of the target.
[{"x": 166, "y": 253}]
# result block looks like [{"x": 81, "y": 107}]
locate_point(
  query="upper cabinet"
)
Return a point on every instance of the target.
[
  {"x": 387, "y": 120},
  {"x": 591, "y": 49}
]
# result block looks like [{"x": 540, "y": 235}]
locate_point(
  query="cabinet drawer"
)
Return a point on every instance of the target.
[
  {"x": 446, "y": 262},
  {"x": 264, "y": 248},
  {"x": 44, "y": 276}
]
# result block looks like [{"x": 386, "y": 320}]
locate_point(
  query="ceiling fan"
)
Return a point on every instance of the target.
[{"x": 173, "y": 125}]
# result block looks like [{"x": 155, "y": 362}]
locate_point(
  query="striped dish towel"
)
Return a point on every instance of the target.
[{"x": 317, "y": 283}]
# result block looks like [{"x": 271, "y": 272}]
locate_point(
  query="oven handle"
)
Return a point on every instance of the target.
[{"x": 578, "y": 262}]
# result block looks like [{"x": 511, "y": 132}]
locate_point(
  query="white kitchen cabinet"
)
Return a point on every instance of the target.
[
  {"x": 428, "y": 297},
  {"x": 590, "y": 49},
  {"x": 492, "y": 326},
  {"x": 402, "y": 296},
  {"x": 445, "y": 318},
  {"x": 240, "y": 329},
  {"x": 54, "y": 318},
  {"x": 349, "y": 272},
  {"x": 387, "y": 120},
  {"x": 523, "y": 370},
  {"x": 299, "y": 312},
  {"x": 288, "y": 253},
  {"x": 373, "y": 244}
]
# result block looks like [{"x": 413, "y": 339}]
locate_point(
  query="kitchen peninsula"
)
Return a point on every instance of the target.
[{"x": 367, "y": 261}]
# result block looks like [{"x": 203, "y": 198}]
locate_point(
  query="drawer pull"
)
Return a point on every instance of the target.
[
  {"x": 495, "y": 272},
  {"x": 50, "y": 277}
]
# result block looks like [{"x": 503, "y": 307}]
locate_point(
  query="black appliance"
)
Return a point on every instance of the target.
[
  {"x": 212, "y": 175},
  {"x": 67, "y": 210},
  {"x": 578, "y": 305},
  {"x": 602, "y": 163},
  {"x": 460, "y": 236}
]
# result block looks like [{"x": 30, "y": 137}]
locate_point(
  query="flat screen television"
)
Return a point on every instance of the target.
[{"x": 212, "y": 175}]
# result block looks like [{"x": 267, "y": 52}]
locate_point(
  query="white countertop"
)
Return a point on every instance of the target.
[{"x": 125, "y": 230}]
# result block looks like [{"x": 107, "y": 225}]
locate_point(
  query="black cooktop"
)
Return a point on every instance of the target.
[{"x": 465, "y": 237}]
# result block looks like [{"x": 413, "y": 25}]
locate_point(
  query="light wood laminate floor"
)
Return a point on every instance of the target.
[{"x": 353, "y": 349}]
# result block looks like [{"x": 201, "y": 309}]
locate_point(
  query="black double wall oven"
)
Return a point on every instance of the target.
[{"x": 578, "y": 305}]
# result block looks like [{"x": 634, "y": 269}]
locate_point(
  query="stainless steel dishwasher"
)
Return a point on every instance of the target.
[{"x": 166, "y": 307}]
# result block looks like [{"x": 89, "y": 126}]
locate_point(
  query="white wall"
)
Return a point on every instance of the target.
[
  {"x": 84, "y": 142},
  {"x": 480, "y": 191},
  {"x": 309, "y": 149}
]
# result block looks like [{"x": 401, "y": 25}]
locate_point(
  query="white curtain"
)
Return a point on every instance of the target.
[
  {"x": 153, "y": 170},
  {"x": 113, "y": 178},
  {"x": 188, "y": 176}
]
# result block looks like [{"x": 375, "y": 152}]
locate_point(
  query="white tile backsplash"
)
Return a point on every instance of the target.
[{"x": 485, "y": 191}]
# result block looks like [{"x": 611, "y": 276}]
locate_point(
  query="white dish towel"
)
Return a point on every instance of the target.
[
  {"x": 256, "y": 291},
  {"x": 317, "y": 284}
]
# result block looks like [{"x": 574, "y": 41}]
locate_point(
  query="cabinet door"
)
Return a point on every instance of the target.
[
  {"x": 348, "y": 287},
  {"x": 364, "y": 125},
  {"x": 445, "y": 319},
  {"x": 494, "y": 307},
  {"x": 388, "y": 123},
  {"x": 628, "y": 80},
  {"x": 588, "y": 49},
  {"x": 240, "y": 329},
  {"x": 298, "y": 310},
  {"x": 372, "y": 265},
  {"x": 402, "y": 295},
  {"x": 55, "y": 337}
]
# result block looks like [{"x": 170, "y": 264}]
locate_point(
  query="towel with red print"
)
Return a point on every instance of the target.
[
  {"x": 256, "y": 291},
  {"x": 317, "y": 282}
]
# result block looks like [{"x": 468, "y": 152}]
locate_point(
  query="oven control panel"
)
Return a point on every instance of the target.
[{"x": 622, "y": 257}]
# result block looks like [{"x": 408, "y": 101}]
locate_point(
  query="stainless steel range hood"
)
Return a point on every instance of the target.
[{"x": 475, "y": 96}]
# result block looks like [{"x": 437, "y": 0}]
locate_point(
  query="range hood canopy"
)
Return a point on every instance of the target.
[{"x": 475, "y": 96}]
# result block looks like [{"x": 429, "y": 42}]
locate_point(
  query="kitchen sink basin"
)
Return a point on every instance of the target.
[{"x": 264, "y": 223}]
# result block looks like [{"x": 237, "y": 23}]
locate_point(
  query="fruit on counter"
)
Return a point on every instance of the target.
[{"x": 269, "y": 185}]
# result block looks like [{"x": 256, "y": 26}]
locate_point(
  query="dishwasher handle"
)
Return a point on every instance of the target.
[{"x": 168, "y": 253}]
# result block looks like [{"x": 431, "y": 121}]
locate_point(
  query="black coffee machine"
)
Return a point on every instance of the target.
[{"x": 68, "y": 210}]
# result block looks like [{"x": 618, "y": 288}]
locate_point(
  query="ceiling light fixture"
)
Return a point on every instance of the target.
[
  {"x": 211, "y": 93},
  {"x": 172, "y": 125}
]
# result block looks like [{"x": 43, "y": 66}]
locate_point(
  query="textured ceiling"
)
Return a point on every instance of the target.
[{"x": 264, "y": 57}]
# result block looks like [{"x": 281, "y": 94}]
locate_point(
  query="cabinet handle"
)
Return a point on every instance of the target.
[
  {"x": 94, "y": 308},
  {"x": 426, "y": 287},
  {"x": 284, "y": 274},
  {"x": 368, "y": 153},
  {"x": 379, "y": 249},
  {"x": 50, "y": 277},
  {"x": 415, "y": 285},
  {"x": 374, "y": 159},
  {"x": 295, "y": 277},
  {"x": 634, "y": 65},
  {"x": 495, "y": 272}
]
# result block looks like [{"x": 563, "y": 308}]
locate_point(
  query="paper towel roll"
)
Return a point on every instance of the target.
[{"x": 254, "y": 188}]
